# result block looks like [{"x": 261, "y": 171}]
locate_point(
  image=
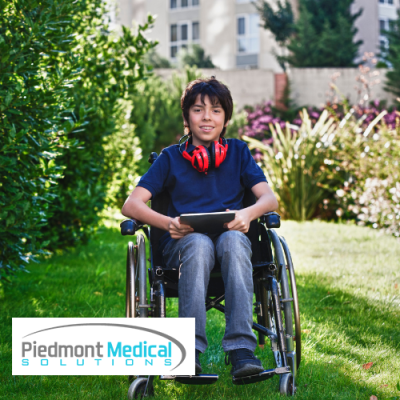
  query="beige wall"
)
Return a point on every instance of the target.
[
  {"x": 311, "y": 86},
  {"x": 248, "y": 87}
]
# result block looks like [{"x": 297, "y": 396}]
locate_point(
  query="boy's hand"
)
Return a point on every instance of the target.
[
  {"x": 241, "y": 222},
  {"x": 178, "y": 230}
]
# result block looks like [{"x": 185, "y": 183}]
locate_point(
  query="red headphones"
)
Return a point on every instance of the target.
[{"x": 202, "y": 159}]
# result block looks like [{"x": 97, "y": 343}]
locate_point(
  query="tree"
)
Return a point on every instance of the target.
[
  {"x": 36, "y": 70},
  {"x": 280, "y": 22},
  {"x": 195, "y": 56},
  {"x": 156, "y": 61},
  {"x": 323, "y": 35},
  {"x": 111, "y": 66},
  {"x": 390, "y": 54}
]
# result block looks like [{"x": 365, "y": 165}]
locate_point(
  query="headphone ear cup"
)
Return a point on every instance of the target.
[
  {"x": 220, "y": 154},
  {"x": 201, "y": 159}
]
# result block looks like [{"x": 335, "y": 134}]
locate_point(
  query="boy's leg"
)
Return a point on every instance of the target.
[
  {"x": 194, "y": 256},
  {"x": 234, "y": 254}
]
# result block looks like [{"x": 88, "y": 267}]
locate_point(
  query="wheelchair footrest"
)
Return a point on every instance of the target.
[
  {"x": 262, "y": 376},
  {"x": 202, "y": 379}
]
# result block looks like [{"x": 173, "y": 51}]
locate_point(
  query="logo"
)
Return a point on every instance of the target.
[{"x": 103, "y": 346}]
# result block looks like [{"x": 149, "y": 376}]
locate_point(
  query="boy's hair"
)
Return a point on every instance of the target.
[{"x": 215, "y": 90}]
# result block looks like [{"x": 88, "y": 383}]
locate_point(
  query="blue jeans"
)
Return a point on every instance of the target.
[{"x": 194, "y": 255}]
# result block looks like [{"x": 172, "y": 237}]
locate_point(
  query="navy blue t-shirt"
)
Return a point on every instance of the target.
[{"x": 195, "y": 192}]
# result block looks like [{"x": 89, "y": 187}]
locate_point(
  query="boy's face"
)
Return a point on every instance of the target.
[{"x": 206, "y": 121}]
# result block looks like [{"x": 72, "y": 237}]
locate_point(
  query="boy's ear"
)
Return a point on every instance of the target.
[{"x": 227, "y": 123}]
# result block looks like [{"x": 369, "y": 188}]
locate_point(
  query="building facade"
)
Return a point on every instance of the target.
[{"x": 229, "y": 30}]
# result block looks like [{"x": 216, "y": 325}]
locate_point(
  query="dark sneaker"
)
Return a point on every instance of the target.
[
  {"x": 244, "y": 362},
  {"x": 198, "y": 366}
]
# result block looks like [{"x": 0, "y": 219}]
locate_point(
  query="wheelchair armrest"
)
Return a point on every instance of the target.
[
  {"x": 271, "y": 219},
  {"x": 130, "y": 226}
]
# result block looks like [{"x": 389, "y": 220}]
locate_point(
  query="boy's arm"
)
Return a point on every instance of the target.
[
  {"x": 135, "y": 207},
  {"x": 266, "y": 201}
]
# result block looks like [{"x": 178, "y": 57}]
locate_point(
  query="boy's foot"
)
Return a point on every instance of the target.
[
  {"x": 198, "y": 366},
  {"x": 244, "y": 363}
]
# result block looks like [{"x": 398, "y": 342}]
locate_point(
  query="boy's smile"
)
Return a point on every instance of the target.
[{"x": 206, "y": 121}]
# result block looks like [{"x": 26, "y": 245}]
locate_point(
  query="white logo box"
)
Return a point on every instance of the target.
[{"x": 103, "y": 346}]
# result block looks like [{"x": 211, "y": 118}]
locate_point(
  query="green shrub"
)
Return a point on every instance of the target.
[
  {"x": 299, "y": 165},
  {"x": 61, "y": 75},
  {"x": 36, "y": 71},
  {"x": 372, "y": 192},
  {"x": 111, "y": 66}
]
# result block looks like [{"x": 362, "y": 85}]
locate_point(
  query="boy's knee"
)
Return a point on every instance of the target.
[
  {"x": 234, "y": 241},
  {"x": 198, "y": 245}
]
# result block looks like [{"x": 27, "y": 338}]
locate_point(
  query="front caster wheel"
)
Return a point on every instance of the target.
[
  {"x": 286, "y": 385},
  {"x": 137, "y": 389}
]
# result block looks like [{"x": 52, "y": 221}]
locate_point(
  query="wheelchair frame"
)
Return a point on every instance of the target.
[{"x": 275, "y": 290}]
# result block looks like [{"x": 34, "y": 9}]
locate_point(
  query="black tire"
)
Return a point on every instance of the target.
[
  {"x": 137, "y": 388},
  {"x": 136, "y": 280},
  {"x": 282, "y": 281},
  {"x": 296, "y": 310},
  {"x": 290, "y": 308},
  {"x": 287, "y": 385}
]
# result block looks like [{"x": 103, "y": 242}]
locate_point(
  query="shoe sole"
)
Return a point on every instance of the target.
[{"x": 246, "y": 370}]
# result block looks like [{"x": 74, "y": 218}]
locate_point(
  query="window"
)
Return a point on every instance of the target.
[
  {"x": 174, "y": 51},
  {"x": 390, "y": 1},
  {"x": 392, "y": 24},
  {"x": 386, "y": 2},
  {"x": 248, "y": 40},
  {"x": 174, "y": 33},
  {"x": 184, "y": 3},
  {"x": 184, "y": 32},
  {"x": 382, "y": 25},
  {"x": 195, "y": 31},
  {"x": 241, "y": 26},
  {"x": 180, "y": 36}
]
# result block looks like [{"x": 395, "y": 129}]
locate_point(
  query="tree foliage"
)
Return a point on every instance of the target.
[
  {"x": 111, "y": 67},
  {"x": 195, "y": 56},
  {"x": 279, "y": 22},
  {"x": 323, "y": 35},
  {"x": 36, "y": 69},
  {"x": 391, "y": 55},
  {"x": 61, "y": 74}
]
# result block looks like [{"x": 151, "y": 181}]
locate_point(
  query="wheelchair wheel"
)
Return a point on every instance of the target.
[
  {"x": 293, "y": 287},
  {"x": 288, "y": 296},
  {"x": 138, "y": 388},
  {"x": 286, "y": 385},
  {"x": 136, "y": 280}
]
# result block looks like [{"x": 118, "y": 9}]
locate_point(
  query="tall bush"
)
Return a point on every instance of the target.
[
  {"x": 36, "y": 71},
  {"x": 111, "y": 66}
]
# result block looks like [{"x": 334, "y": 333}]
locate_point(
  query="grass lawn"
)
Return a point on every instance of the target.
[{"x": 348, "y": 280}]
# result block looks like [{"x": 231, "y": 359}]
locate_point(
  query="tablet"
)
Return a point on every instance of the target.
[{"x": 208, "y": 222}]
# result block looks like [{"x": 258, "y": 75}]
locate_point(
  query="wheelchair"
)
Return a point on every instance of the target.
[{"x": 276, "y": 305}]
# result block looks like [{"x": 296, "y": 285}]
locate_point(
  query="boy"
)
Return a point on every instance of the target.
[{"x": 208, "y": 174}]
